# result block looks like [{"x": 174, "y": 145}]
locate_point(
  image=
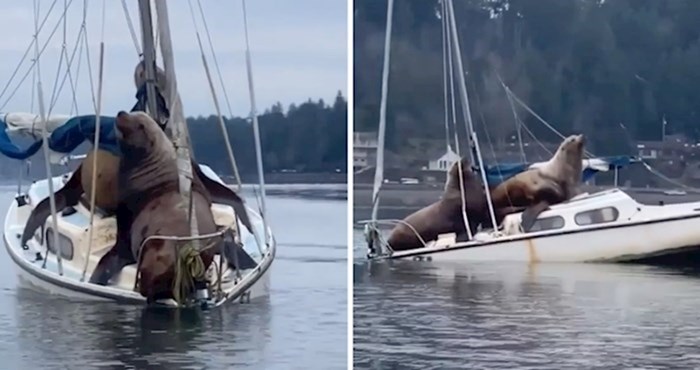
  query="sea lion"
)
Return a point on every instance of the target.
[
  {"x": 78, "y": 188},
  {"x": 150, "y": 204},
  {"x": 444, "y": 215},
  {"x": 555, "y": 181},
  {"x": 106, "y": 179}
]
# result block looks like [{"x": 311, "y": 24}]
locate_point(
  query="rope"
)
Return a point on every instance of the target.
[
  {"x": 96, "y": 144},
  {"x": 216, "y": 62},
  {"x": 465, "y": 217},
  {"x": 222, "y": 125},
  {"x": 662, "y": 176},
  {"x": 549, "y": 126},
  {"x": 188, "y": 268},
  {"x": 37, "y": 54},
  {"x": 29, "y": 47},
  {"x": 68, "y": 73},
  {"x": 444, "y": 75},
  {"x": 45, "y": 147},
  {"x": 488, "y": 137},
  {"x": 60, "y": 59},
  {"x": 132, "y": 30},
  {"x": 256, "y": 134},
  {"x": 516, "y": 119}
]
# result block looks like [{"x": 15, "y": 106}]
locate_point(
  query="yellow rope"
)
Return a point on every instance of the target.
[{"x": 189, "y": 267}]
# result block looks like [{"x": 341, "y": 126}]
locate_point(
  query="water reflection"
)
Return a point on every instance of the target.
[
  {"x": 105, "y": 334},
  {"x": 548, "y": 316}
]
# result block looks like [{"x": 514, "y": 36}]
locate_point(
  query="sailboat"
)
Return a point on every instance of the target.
[
  {"x": 67, "y": 248},
  {"x": 605, "y": 226}
]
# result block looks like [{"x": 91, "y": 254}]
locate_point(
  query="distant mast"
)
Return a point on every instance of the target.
[{"x": 379, "y": 170}]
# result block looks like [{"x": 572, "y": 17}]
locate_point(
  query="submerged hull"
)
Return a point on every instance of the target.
[{"x": 634, "y": 232}]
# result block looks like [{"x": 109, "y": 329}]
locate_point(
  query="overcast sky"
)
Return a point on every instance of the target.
[{"x": 299, "y": 51}]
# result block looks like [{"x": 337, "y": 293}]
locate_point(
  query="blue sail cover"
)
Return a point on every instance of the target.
[
  {"x": 498, "y": 173},
  {"x": 65, "y": 138}
]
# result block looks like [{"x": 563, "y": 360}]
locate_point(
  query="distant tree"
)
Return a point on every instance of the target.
[{"x": 583, "y": 65}]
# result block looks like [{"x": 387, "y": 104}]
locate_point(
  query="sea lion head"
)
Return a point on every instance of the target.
[
  {"x": 569, "y": 157},
  {"x": 157, "y": 268},
  {"x": 139, "y": 135},
  {"x": 140, "y": 76},
  {"x": 573, "y": 145},
  {"x": 471, "y": 181}
]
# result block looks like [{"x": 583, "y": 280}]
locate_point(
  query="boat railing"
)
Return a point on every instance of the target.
[
  {"x": 372, "y": 233},
  {"x": 189, "y": 266}
]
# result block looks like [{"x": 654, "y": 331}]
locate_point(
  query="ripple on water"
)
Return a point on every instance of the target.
[
  {"x": 303, "y": 322},
  {"x": 429, "y": 315}
]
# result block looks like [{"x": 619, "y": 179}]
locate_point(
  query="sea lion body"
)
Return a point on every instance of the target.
[
  {"x": 554, "y": 182},
  {"x": 106, "y": 181},
  {"x": 78, "y": 189},
  {"x": 444, "y": 215},
  {"x": 150, "y": 205}
]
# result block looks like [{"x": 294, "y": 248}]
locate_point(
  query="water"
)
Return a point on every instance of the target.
[
  {"x": 301, "y": 325},
  {"x": 426, "y": 315}
]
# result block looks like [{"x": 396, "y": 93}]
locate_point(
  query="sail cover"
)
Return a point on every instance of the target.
[
  {"x": 66, "y": 133},
  {"x": 498, "y": 173}
]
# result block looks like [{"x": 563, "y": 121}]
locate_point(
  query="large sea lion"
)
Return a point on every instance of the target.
[
  {"x": 444, "y": 215},
  {"x": 150, "y": 204},
  {"x": 78, "y": 188},
  {"x": 555, "y": 181}
]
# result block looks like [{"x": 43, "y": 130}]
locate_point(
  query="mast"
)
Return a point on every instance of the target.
[
  {"x": 466, "y": 109},
  {"x": 256, "y": 129},
  {"x": 379, "y": 170},
  {"x": 176, "y": 120},
  {"x": 149, "y": 57}
]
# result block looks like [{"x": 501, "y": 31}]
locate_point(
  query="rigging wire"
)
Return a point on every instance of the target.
[
  {"x": 96, "y": 146},
  {"x": 224, "y": 131},
  {"x": 34, "y": 62},
  {"x": 132, "y": 30},
  {"x": 45, "y": 146},
  {"x": 29, "y": 47},
  {"x": 256, "y": 128},
  {"x": 463, "y": 199},
  {"x": 216, "y": 62}
]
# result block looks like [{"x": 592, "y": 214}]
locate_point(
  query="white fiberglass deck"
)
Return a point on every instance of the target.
[
  {"x": 603, "y": 226},
  {"x": 74, "y": 234}
]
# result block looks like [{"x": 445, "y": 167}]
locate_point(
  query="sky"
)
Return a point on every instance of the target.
[{"x": 298, "y": 50}]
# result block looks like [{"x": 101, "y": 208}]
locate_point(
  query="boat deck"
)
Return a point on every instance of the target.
[{"x": 74, "y": 240}]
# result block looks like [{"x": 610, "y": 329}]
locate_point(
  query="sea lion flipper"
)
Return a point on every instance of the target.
[
  {"x": 68, "y": 195},
  {"x": 223, "y": 195},
  {"x": 120, "y": 255},
  {"x": 529, "y": 216},
  {"x": 110, "y": 264}
]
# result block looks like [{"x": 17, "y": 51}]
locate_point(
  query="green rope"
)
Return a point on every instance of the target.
[{"x": 188, "y": 268}]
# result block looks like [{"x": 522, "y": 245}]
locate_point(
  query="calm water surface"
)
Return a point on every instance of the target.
[
  {"x": 425, "y": 315},
  {"x": 301, "y": 325}
]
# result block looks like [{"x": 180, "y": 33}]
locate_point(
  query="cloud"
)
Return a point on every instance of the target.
[{"x": 299, "y": 51}]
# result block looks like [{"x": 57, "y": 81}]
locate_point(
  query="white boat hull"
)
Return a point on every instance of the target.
[
  {"x": 253, "y": 283},
  {"x": 639, "y": 232}
]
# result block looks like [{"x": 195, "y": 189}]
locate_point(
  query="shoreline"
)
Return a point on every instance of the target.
[{"x": 397, "y": 201}]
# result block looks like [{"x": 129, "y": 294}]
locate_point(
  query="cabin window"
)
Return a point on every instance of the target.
[
  {"x": 597, "y": 216},
  {"x": 548, "y": 223},
  {"x": 66, "y": 245}
]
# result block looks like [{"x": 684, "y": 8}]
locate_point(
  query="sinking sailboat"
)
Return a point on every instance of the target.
[
  {"x": 64, "y": 251},
  {"x": 604, "y": 226}
]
